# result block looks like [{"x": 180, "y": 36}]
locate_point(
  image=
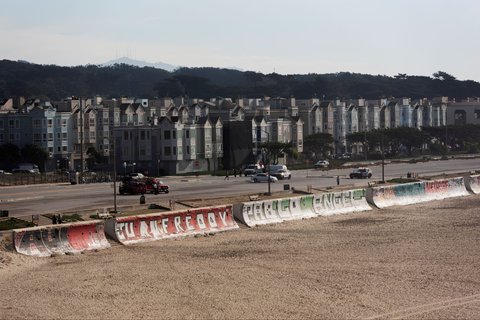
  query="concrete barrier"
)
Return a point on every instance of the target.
[
  {"x": 399, "y": 194},
  {"x": 416, "y": 192},
  {"x": 275, "y": 210},
  {"x": 60, "y": 239},
  {"x": 473, "y": 183},
  {"x": 347, "y": 201},
  {"x": 157, "y": 226},
  {"x": 445, "y": 188}
]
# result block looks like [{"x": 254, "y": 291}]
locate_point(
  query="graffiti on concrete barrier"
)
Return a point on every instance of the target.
[
  {"x": 409, "y": 189},
  {"x": 436, "y": 186},
  {"x": 159, "y": 226}
]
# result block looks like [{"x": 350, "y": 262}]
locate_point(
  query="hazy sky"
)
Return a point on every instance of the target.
[{"x": 417, "y": 37}]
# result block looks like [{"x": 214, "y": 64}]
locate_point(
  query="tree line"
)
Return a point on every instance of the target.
[
  {"x": 51, "y": 82},
  {"x": 401, "y": 141}
]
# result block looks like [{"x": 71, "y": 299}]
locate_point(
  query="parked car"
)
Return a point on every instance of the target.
[
  {"x": 251, "y": 169},
  {"x": 26, "y": 168},
  {"x": 342, "y": 156},
  {"x": 263, "y": 177},
  {"x": 321, "y": 164},
  {"x": 361, "y": 173}
]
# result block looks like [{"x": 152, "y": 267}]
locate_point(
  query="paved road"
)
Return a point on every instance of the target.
[{"x": 41, "y": 199}]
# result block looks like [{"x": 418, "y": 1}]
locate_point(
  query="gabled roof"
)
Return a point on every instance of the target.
[
  {"x": 325, "y": 104},
  {"x": 259, "y": 118},
  {"x": 124, "y": 107},
  {"x": 236, "y": 110},
  {"x": 202, "y": 120},
  {"x": 295, "y": 118},
  {"x": 392, "y": 103}
]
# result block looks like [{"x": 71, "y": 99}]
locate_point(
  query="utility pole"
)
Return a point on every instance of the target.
[{"x": 81, "y": 141}]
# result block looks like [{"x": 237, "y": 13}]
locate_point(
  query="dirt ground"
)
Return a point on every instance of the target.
[{"x": 416, "y": 262}]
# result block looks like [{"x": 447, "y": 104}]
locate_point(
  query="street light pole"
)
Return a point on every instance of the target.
[
  {"x": 365, "y": 145},
  {"x": 114, "y": 177},
  {"x": 268, "y": 162},
  {"x": 383, "y": 158}
]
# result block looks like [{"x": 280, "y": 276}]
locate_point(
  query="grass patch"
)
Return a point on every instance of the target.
[
  {"x": 403, "y": 180},
  {"x": 13, "y": 223},
  {"x": 66, "y": 218}
]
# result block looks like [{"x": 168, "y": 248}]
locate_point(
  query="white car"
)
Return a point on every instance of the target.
[
  {"x": 263, "y": 177},
  {"x": 321, "y": 164}
]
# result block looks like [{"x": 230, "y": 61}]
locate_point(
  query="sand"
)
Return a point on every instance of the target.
[{"x": 417, "y": 262}]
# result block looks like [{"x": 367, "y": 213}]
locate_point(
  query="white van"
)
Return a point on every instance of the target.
[
  {"x": 252, "y": 169},
  {"x": 280, "y": 171}
]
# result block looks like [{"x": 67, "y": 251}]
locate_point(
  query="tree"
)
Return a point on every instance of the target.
[
  {"x": 95, "y": 156},
  {"x": 408, "y": 138},
  {"x": 33, "y": 153},
  {"x": 358, "y": 137},
  {"x": 9, "y": 155},
  {"x": 274, "y": 150},
  {"x": 441, "y": 75},
  {"x": 318, "y": 144}
]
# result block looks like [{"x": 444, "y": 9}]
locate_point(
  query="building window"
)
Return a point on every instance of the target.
[
  {"x": 64, "y": 148},
  {"x": 174, "y": 134},
  {"x": 174, "y": 151},
  {"x": 168, "y": 151},
  {"x": 37, "y": 123},
  {"x": 142, "y": 135},
  {"x": 166, "y": 135},
  {"x": 64, "y": 123},
  {"x": 477, "y": 114},
  {"x": 188, "y": 149},
  {"x": 49, "y": 123},
  {"x": 187, "y": 134},
  {"x": 50, "y": 137},
  {"x": 125, "y": 135}
]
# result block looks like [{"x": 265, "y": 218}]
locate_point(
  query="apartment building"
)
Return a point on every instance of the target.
[{"x": 183, "y": 135}]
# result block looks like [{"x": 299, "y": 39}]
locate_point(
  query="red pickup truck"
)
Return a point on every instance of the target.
[{"x": 142, "y": 186}]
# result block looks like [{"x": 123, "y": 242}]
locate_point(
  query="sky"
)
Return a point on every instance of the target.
[{"x": 386, "y": 37}]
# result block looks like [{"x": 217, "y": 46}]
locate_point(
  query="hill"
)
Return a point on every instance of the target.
[{"x": 19, "y": 78}]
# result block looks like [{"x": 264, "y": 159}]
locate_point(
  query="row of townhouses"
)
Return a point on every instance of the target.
[{"x": 181, "y": 135}]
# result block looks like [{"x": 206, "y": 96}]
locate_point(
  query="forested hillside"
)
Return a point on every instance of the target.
[{"x": 55, "y": 82}]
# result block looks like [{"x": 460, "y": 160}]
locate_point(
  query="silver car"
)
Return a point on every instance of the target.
[{"x": 263, "y": 177}]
